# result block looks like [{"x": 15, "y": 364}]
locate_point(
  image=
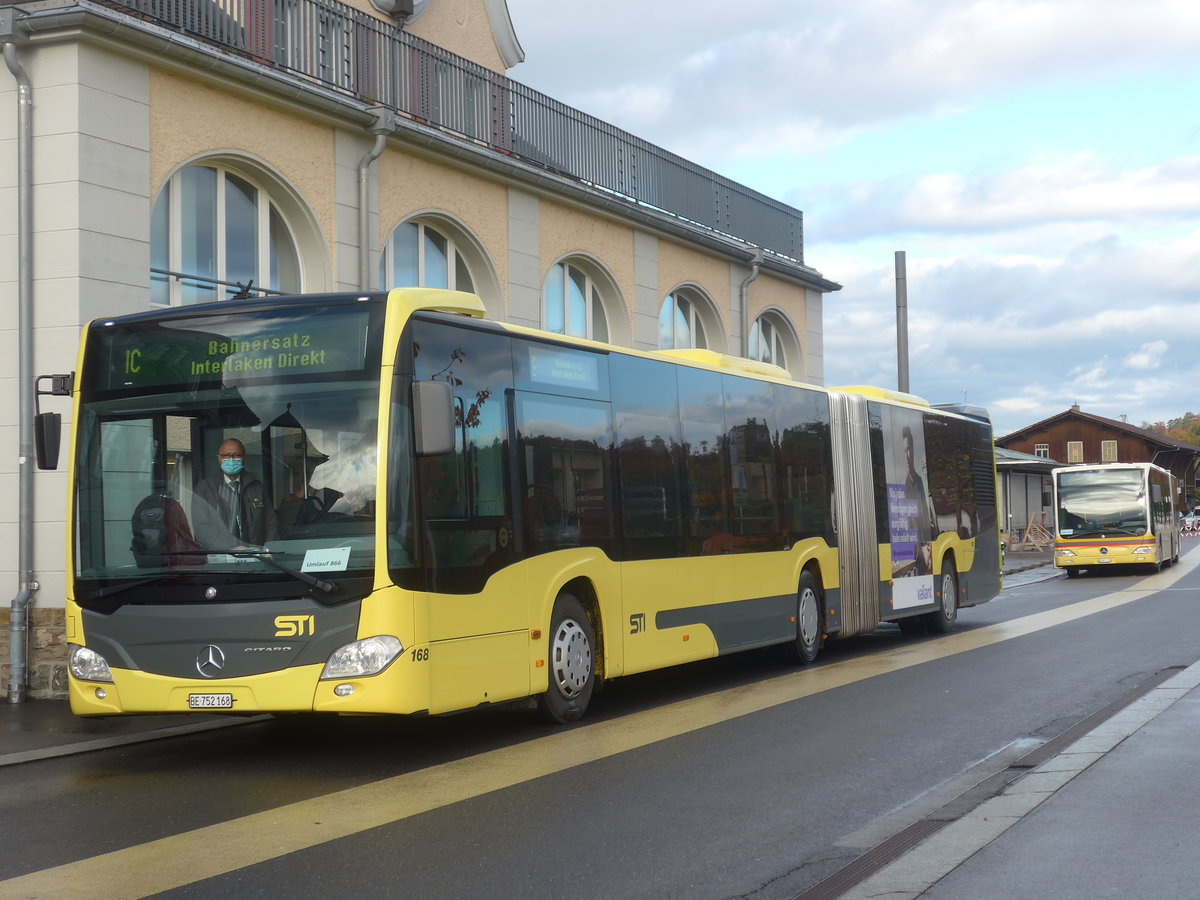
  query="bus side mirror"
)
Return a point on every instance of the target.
[
  {"x": 47, "y": 427},
  {"x": 433, "y": 418},
  {"x": 47, "y": 436}
]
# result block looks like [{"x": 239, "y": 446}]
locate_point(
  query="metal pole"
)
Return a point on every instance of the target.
[{"x": 901, "y": 322}]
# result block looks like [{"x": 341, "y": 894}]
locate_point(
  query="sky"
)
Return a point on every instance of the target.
[{"x": 1038, "y": 162}]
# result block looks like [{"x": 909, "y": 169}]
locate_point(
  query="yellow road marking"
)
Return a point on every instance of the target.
[{"x": 193, "y": 856}]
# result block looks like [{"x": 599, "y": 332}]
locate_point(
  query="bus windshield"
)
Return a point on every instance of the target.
[
  {"x": 1109, "y": 502},
  {"x": 224, "y": 445}
]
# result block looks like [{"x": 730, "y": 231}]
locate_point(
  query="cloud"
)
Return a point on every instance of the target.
[
  {"x": 1082, "y": 188},
  {"x": 1028, "y": 336},
  {"x": 688, "y": 75},
  {"x": 1150, "y": 356}
]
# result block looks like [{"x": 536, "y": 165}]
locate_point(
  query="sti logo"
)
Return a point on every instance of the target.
[{"x": 294, "y": 626}]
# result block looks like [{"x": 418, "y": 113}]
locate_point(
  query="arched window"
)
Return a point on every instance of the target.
[
  {"x": 213, "y": 232},
  {"x": 766, "y": 344},
  {"x": 773, "y": 340},
  {"x": 420, "y": 255},
  {"x": 572, "y": 303},
  {"x": 680, "y": 324}
]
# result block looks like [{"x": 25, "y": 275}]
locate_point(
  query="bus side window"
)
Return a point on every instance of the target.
[
  {"x": 805, "y": 483},
  {"x": 649, "y": 457},
  {"x": 702, "y": 414},
  {"x": 750, "y": 422},
  {"x": 566, "y": 489}
]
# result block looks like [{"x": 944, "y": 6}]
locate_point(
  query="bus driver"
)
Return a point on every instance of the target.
[{"x": 230, "y": 510}]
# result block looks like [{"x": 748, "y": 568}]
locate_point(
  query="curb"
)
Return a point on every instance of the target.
[{"x": 107, "y": 743}]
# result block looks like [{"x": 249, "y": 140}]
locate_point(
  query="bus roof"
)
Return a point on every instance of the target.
[{"x": 867, "y": 390}]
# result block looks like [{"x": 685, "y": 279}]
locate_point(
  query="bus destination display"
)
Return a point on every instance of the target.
[{"x": 220, "y": 349}]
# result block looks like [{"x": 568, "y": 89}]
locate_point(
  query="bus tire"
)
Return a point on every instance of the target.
[
  {"x": 1072, "y": 572},
  {"x": 942, "y": 619},
  {"x": 810, "y": 620},
  {"x": 572, "y": 668}
]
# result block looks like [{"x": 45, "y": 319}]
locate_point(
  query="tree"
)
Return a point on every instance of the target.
[{"x": 1185, "y": 428}]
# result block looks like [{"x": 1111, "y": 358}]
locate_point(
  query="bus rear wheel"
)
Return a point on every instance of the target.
[
  {"x": 571, "y": 663},
  {"x": 810, "y": 620},
  {"x": 942, "y": 619}
]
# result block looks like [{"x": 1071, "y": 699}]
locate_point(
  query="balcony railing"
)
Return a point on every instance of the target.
[{"x": 339, "y": 47}]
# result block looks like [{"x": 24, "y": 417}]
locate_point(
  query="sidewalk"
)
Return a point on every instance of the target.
[
  {"x": 1113, "y": 815},
  {"x": 40, "y": 729},
  {"x": 1028, "y": 566}
]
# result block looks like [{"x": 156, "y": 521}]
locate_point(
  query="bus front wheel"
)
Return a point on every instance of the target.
[
  {"x": 942, "y": 619},
  {"x": 572, "y": 666}
]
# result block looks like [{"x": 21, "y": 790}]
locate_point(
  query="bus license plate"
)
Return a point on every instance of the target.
[{"x": 210, "y": 701}]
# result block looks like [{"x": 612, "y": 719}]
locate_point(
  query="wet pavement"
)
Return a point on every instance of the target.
[{"x": 1111, "y": 815}]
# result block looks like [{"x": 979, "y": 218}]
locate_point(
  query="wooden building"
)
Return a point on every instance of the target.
[{"x": 1079, "y": 438}]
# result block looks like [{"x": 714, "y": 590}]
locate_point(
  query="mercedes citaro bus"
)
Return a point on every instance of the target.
[
  {"x": 438, "y": 512},
  {"x": 1115, "y": 514}
]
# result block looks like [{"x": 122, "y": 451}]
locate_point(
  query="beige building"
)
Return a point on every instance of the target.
[{"x": 165, "y": 152}]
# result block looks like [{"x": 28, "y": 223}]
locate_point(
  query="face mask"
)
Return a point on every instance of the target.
[{"x": 232, "y": 466}]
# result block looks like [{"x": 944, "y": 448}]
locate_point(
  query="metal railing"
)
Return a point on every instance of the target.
[{"x": 334, "y": 45}]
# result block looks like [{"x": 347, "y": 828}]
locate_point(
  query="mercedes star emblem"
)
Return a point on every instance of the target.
[{"x": 210, "y": 661}]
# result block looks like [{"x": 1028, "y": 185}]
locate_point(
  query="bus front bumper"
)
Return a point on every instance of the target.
[
  {"x": 297, "y": 690},
  {"x": 1087, "y": 557}
]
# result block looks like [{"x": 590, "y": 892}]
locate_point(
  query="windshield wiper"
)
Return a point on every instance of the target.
[
  {"x": 1102, "y": 532},
  {"x": 265, "y": 556},
  {"x": 114, "y": 589},
  {"x": 320, "y": 584}
]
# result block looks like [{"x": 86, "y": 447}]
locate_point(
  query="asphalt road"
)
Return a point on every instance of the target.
[{"x": 740, "y": 777}]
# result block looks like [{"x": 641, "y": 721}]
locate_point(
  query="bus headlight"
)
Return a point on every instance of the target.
[
  {"x": 1142, "y": 551},
  {"x": 370, "y": 656},
  {"x": 1064, "y": 554},
  {"x": 88, "y": 665}
]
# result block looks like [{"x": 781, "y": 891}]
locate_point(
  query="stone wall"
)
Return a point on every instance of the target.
[{"x": 47, "y": 646}]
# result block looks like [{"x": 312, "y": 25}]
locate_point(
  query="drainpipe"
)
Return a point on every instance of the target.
[
  {"x": 744, "y": 297},
  {"x": 384, "y": 124},
  {"x": 18, "y": 626}
]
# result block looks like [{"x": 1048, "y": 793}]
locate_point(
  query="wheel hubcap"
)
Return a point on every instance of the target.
[
  {"x": 949, "y": 601},
  {"x": 809, "y": 618},
  {"x": 571, "y": 658}
]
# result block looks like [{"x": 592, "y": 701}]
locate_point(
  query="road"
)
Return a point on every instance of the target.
[{"x": 739, "y": 777}]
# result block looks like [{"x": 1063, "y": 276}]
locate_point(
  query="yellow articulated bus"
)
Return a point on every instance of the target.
[
  {"x": 1115, "y": 514},
  {"x": 384, "y": 503}
]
